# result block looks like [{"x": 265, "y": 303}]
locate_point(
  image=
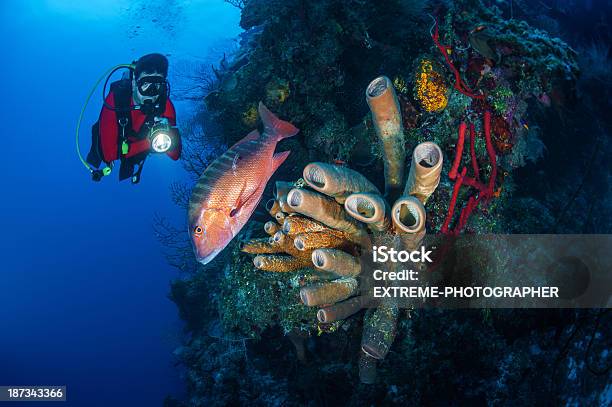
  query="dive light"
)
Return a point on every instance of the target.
[{"x": 161, "y": 136}]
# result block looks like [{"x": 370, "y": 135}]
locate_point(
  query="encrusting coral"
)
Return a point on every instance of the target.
[{"x": 430, "y": 88}]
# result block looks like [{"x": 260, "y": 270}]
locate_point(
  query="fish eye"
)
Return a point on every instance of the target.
[
  {"x": 233, "y": 212},
  {"x": 198, "y": 230}
]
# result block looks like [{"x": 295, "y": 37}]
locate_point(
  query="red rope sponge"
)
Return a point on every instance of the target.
[
  {"x": 453, "y": 201},
  {"x": 460, "y": 85},
  {"x": 485, "y": 192},
  {"x": 459, "y": 152}
]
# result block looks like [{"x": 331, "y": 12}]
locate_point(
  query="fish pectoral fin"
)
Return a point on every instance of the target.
[
  {"x": 278, "y": 159},
  {"x": 243, "y": 200}
]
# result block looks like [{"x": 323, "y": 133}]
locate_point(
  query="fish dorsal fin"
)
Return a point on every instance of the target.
[
  {"x": 278, "y": 159},
  {"x": 252, "y": 136}
]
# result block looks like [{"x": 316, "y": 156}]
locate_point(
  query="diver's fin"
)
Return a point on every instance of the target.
[
  {"x": 273, "y": 126},
  {"x": 278, "y": 159}
]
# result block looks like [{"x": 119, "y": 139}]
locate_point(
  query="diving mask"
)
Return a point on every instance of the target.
[
  {"x": 151, "y": 85},
  {"x": 149, "y": 88}
]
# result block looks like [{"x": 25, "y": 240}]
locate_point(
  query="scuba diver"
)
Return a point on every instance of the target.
[{"x": 137, "y": 118}]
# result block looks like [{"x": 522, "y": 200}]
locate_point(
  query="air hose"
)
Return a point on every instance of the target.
[{"x": 107, "y": 74}]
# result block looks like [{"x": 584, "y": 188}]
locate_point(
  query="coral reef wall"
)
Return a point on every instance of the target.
[{"x": 249, "y": 338}]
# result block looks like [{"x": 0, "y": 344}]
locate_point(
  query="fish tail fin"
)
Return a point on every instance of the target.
[{"x": 275, "y": 126}]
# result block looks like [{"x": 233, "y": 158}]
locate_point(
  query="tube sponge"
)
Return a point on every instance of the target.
[
  {"x": 425, "y": 171},
  {"x": 369, "y": 208},
  {"x": 324, "y": 210},
  {"x": 281, "y": 189},
  {"x": 408, "y": 215},
  {"x": 336, "y": 261},
  {"x": 271, "y": 228},
  {"x": 280, "y": 264},
  {"x": 379, "y": 330},
  {"x": 310, "y": 241},
  {"x": 387, "y": 119},
  {"x": 295, "y": 225},
  {"x": 261, "y": 246},
  {"x": 367, "y": 369},
  {"x": 328, "y": 293},
  {"x": 336, "y": 181},
  {"x": 342, "y": 310},
  {"x": 274, "y": 209},
  {"x": 286, "y": 244}
]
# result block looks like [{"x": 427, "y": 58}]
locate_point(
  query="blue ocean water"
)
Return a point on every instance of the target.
[{"x": 83, "y": 281}]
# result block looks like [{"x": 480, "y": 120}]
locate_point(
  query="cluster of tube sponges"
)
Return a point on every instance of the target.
[
  {"x": 430, "y": 89},
  {"x": 312, "y": 230},
  {"x": 328, "y": 220}
]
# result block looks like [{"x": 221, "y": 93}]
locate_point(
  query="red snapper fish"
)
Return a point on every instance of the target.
[{"x": 231, "y": 187}]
